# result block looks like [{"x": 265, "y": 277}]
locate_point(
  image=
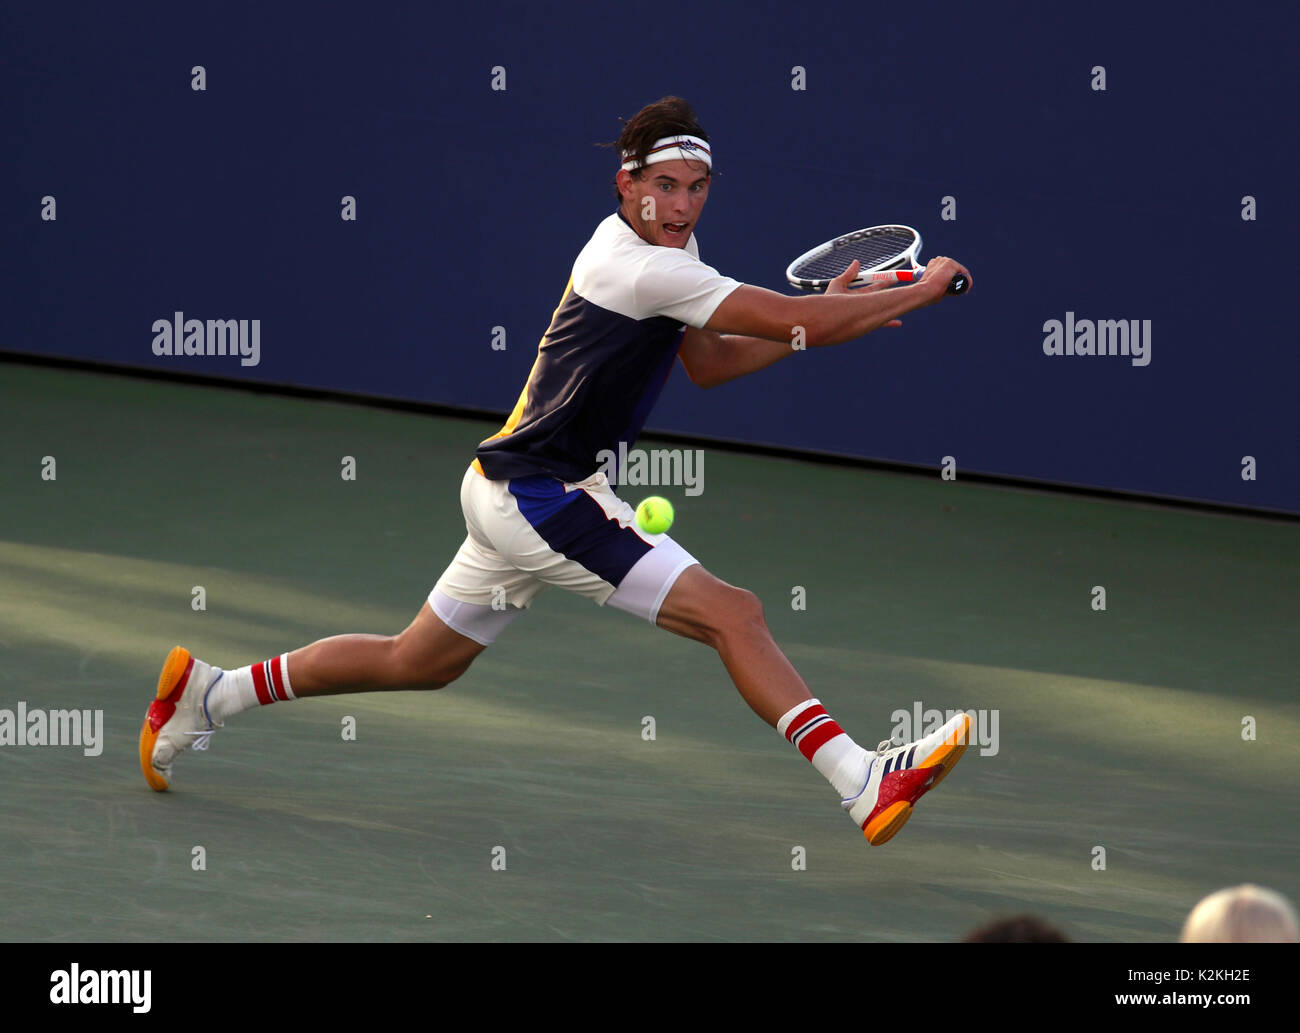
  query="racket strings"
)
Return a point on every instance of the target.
[{"x": 876, "y": 251}]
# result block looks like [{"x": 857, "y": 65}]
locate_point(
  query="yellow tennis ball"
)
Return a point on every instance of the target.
[{"x": 655, "y": 515}]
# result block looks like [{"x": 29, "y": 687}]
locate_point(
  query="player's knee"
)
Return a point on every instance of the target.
[
  {"x": 739, "y": 611},
  {"x": 414, "y": 670},
  {"x": 448, "y": 673},
  {"x": 749, "y": 608},
  {"x": 437, "y": 673}
]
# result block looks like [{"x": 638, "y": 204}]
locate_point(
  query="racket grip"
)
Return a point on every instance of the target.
[{"x": 958, "y": 284}]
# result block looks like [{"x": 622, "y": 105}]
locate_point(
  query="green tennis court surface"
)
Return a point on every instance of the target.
[{"x": 1119, "y": 729}]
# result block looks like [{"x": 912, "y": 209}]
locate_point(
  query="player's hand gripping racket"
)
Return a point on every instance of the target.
[{"x": 885, "y": 253}]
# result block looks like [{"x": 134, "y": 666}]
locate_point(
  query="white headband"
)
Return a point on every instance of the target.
[{"x": 673, "y": 148}]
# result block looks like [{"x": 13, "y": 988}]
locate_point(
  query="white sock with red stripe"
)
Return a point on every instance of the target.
[
  {"x": 840, "y": 760},
  {"x": 262, "y": 683}
]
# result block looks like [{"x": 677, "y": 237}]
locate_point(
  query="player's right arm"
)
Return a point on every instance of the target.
[{"x": 830, "y": 318}]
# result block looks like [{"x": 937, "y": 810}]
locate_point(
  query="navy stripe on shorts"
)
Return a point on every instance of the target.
[{"x": 577, "y": 527}]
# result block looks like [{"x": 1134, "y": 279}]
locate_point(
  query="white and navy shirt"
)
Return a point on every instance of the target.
[{"x": 606, "y": 356}]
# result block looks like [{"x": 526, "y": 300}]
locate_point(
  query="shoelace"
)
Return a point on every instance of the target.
[
  {"x": 884, "y": 746},
  {"x": 201, "y": 739}
]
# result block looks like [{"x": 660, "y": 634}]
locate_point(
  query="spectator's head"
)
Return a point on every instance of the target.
[
  {"x": 1242, "y": 914},
  {"x": 1020, "y": 929}
]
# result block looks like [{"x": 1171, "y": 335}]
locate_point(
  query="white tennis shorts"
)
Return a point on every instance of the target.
[{"x": 531, "y": 532}]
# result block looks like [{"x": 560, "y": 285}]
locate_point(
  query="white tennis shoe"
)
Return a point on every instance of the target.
[
  {"x": 177, "y": 718},
  {"x": 901, "y": 775}
]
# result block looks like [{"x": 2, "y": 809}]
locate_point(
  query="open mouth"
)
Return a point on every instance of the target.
[{"x": 676, "y": 227}]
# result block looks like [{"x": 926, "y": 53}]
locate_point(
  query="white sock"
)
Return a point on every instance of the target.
[
  {"x": 841, "y": 761},
  {"x": 259, "y": 684}
]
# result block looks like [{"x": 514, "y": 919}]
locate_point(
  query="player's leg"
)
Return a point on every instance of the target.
[
  {"x": 878, "y": 788},
  {"x": 427, "y": 655},
  {"x": 583, "y": 537},
  {"x": 195, "y": 698},
  {"x": 476, "y": 598},
  {"x": 707, "y": 609},
  {"x": 433, "y": 651}
]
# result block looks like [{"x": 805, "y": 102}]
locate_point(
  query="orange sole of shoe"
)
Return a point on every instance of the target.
[
  {"x": 169, "y": 680},
  {"x": 885, "y": 825}
]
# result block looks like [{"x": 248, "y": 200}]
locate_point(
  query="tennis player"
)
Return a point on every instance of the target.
[{"x": 540, "y": 512}]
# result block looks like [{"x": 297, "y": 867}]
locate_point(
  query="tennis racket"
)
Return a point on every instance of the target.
[{"x": 886, "y": 253}]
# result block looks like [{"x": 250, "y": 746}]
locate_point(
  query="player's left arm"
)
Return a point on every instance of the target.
[{"x": 711, "y": 358}]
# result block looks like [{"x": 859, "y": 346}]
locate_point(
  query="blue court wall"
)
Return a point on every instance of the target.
[{"x": 1070, "y": 202}]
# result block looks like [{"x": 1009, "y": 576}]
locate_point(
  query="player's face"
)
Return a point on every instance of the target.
[{"x": 664, "y": 205}]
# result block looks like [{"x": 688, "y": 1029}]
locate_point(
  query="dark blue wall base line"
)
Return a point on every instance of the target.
[{"x": 722, "y": 444}]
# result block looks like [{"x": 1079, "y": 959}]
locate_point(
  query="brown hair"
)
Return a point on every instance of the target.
[
  {"x": 669, "y": 116},
  {"x": 1018, "y": 929}
]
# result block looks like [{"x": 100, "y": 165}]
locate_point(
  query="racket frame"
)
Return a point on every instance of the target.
[{"x": 903, "y": 268}]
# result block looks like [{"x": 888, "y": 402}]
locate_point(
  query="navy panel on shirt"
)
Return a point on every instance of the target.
[{"x": 597, "y": 376}]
